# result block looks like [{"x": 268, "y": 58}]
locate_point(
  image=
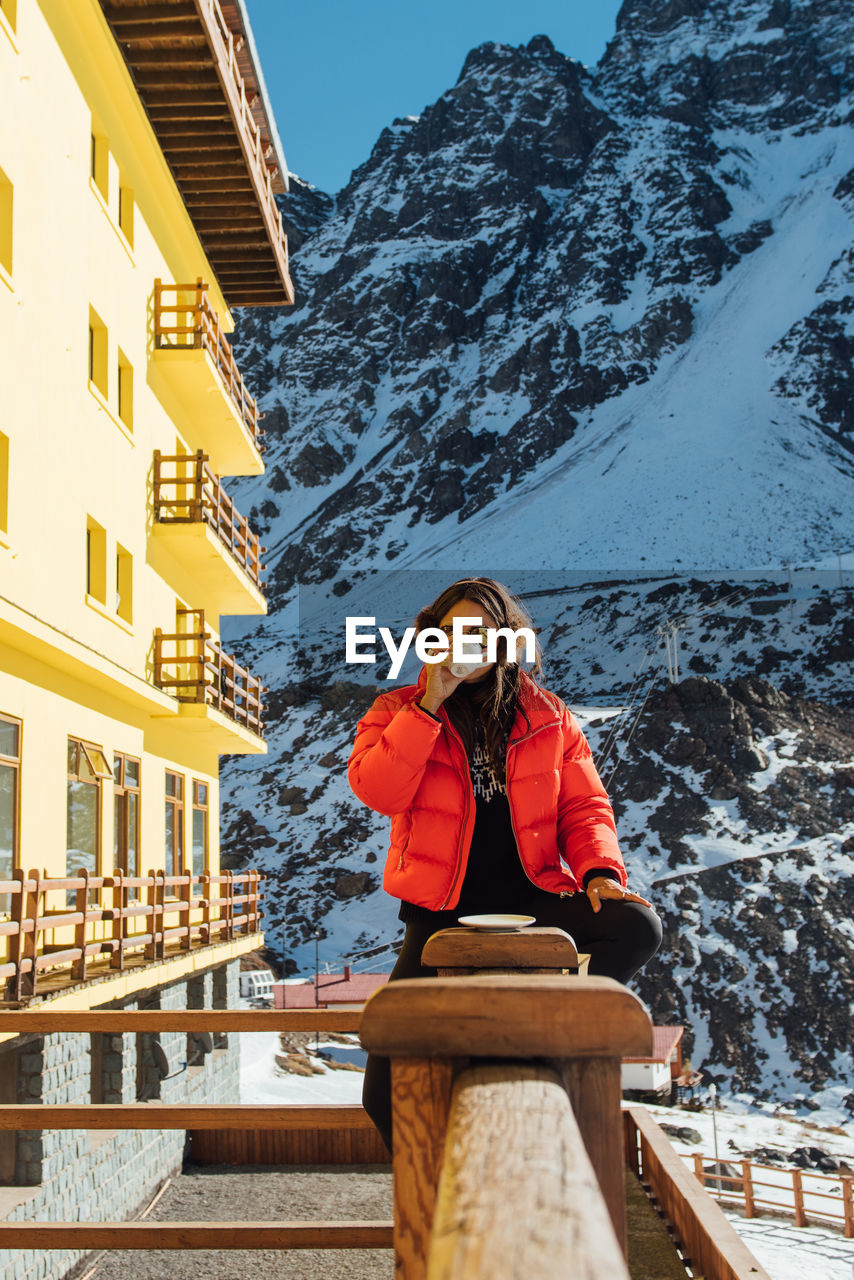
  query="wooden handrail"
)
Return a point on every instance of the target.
[
  {"x": 238, "y": 912},
  {"x": 201, "y": 330},
  {"x": 532, "y": 1163},
  {"x": 187, "y": 491},
  {"x": 706, "y": 1237}
]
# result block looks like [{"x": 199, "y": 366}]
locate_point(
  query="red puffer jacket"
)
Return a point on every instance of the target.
[{"x": 414, "y": 768}]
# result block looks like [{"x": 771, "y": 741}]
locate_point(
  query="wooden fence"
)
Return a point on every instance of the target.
[
  {"x": 119, "y": 917},
  {"x": 797, "y": 1196}
]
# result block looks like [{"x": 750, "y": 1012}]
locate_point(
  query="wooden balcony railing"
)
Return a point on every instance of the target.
[
  {"x": 194, "y": 668},
  {"x": 222, "y": 40},
  {"x": 119, "y": 918},
  {"x": 187, "y": 491},
  {"x": 186, "y": 321}
]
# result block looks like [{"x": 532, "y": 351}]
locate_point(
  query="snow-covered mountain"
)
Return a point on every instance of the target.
[
  {"x": 580, "y": 317},
  {"x": 591, "y": 329}
]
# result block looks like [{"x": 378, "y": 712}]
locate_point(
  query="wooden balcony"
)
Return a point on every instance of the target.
[
  {"x": 192, "y": 667},
  {"x": 206, "y": 534},
  {"x": 186, "y": 323},
  {"x": 115, "y": 923},
  {"x": 193, "y": 66}
]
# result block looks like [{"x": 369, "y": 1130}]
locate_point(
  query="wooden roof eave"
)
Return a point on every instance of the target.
[{"x": 189, "y": 69}]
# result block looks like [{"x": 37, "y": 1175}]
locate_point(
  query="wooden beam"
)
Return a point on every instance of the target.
[
  {"x": 42, "y": 1020},
  {"x": 167, "y": 57},
  {"x": 507, "y": 1016},
  {"x": 153, "y": 1115},
  {"x": 155, "y": 14},
  {"x": 136, "y": 30},
  {"x": 536, "y": 948},
  {"x": 196, "y": 1235},
  {"x": 150, "y": 78},
  {"x": 206, "y": 167}
]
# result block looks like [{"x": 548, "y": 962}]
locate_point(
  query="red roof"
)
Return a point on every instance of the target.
[
  {"x": 333, "y": 988},
  {"x": 664, "y": 1041}
]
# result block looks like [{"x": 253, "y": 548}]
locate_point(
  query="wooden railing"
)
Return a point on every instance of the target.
[
  {"x": 186, "y": 491},
  {"x": 798, "y": 1198},
  {"x": 511, "y": 1166},
  {"x": 142, "y": 1235},
  {"x": 709, "y": 1243},
  {"x": 222, "y": 41},
  {"x": 133, "y": 915},
  {"x": 189, "y": 322},
  {"x": 194, "y": 668}
]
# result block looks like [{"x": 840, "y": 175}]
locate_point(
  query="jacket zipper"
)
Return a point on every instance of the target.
[
  {"x": 459, "y": 862},
  {"x": 515, "y": 743}
]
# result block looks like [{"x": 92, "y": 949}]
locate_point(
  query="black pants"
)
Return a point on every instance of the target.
[{"x": 619, "y": 938}]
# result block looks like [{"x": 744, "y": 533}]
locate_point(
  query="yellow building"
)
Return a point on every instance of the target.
[{"x": 139, "y": 163}]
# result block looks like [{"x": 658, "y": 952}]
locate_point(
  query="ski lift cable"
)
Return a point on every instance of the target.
[
  {"x": 634, "y": 726},
  {"x": 621, "y": 718}
]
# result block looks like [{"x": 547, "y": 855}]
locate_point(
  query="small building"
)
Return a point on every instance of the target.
[
  {"x": 345, "y": 990},
  {"x": 656, "y": 1073}
]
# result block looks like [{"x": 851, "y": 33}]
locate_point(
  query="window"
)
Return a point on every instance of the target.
[
  {"x": 174, "y": 823},
  {"x": 6, "y": 202},
  {"x": 124, "y": 383},
  {"x": 99, "y": 164},
  {"x": 10, "y": 792},
  {"x": 126, "y": 208},
  {"x": 87, "y": 768},
  {"x": 124, "y": 583},
  {"x": 98, "y": 353},
  {"x": 96, "y": 560},
  {"x": 4, "y": 483},
  {"x": 201, "y": 791},
  {"x": 126, "y": 815}
]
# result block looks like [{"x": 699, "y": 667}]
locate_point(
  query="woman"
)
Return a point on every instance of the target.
[{"x": 495, "y": 806}]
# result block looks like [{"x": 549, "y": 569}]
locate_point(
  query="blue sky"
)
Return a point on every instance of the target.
[{"x": 339, "y": 71}]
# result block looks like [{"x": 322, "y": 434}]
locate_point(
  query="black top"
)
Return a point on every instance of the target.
[{"x": 495, "y": 880}]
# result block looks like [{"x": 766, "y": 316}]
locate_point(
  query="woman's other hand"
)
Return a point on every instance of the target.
[{"x": 599, "y": 888}]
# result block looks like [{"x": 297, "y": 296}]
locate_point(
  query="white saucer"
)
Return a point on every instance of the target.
[{"x": 496, "y": 923}]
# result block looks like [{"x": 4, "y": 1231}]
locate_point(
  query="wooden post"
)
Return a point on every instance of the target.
[
  {"x": 593, "y": 1085},
  {"x": 747, "y": 1181},
  {"x": 699, "y": 1174},
  {"x": 585, "y": 1024},
  {"x": 78, "y": 967},
  {"x": 206, "y": 890},
  {"x": 421, "y": 1098},
  {"x": 798, "y": 1188},
  {"x": 848, "y": 1205},
  {"x": 120, "y": 921},
  {"x": 186, "y": 896}
]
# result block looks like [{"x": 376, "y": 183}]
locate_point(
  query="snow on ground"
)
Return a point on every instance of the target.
[{"x": 788, "y": 1252}]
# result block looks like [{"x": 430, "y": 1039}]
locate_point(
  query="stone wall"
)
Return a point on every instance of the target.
[{"x": 73, "y": 1175}]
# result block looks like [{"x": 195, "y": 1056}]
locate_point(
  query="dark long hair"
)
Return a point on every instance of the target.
[{"x": 493, "y": 701}]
